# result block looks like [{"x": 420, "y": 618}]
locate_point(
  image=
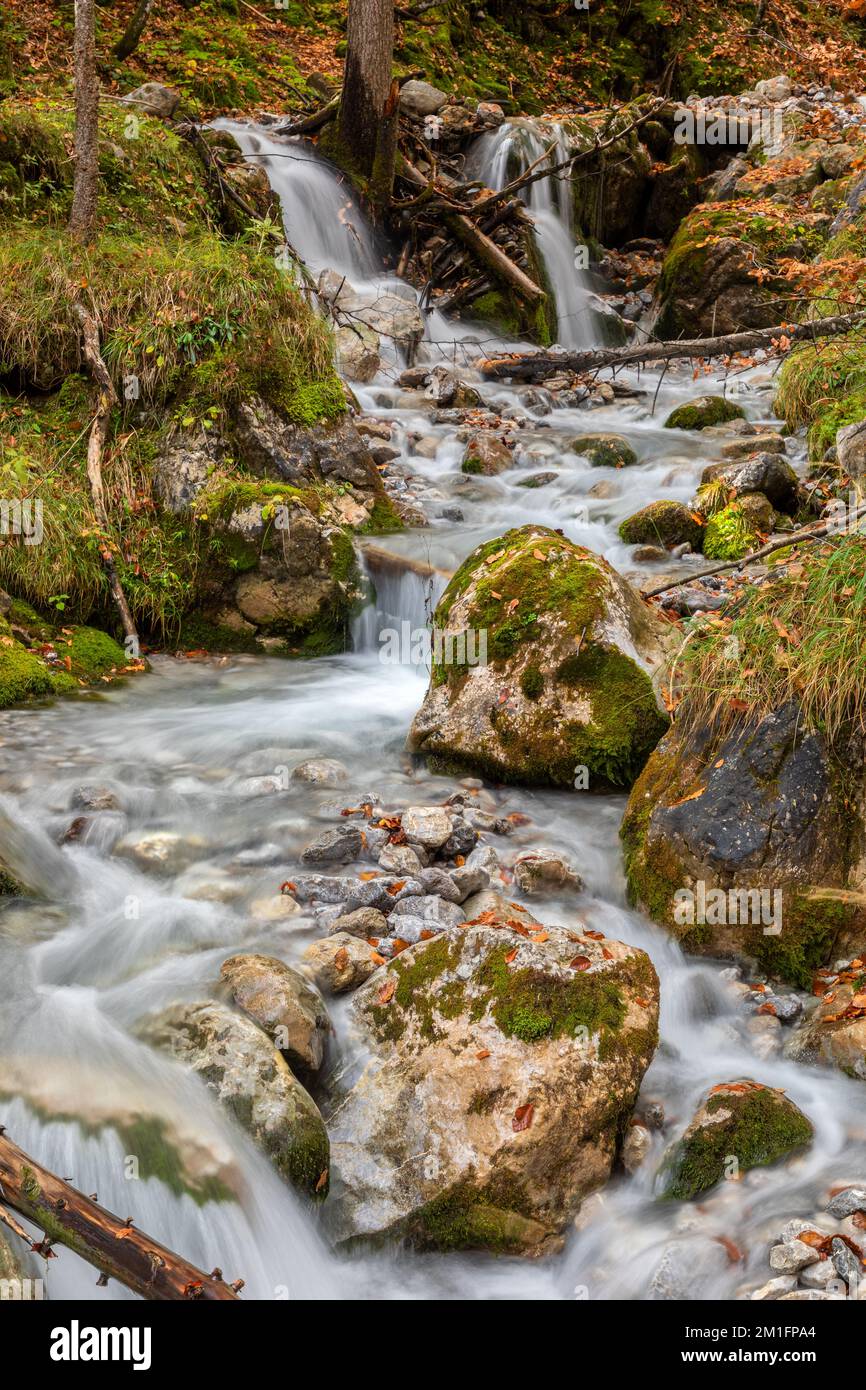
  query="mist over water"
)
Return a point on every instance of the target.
[{"x": 104, "y": 944}]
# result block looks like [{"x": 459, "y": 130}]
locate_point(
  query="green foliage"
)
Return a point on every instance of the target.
[{"x": 729, "y": 534}]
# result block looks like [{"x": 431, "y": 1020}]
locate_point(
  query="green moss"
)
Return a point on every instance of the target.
[
  {"x": 809, "y": 931},
  {"x": 699, "y": 415},
  {"x": 729, "y": 534},
  {"x": 531, "y": 682},
  {"x": 626, "y": 723},
  {"x": 420, "y": 988},
  {"x": 662, "y": 523},
  {"x": 604, "y": 450},
  {"x": 466, "y": 1219},
  {"x": 23, "y": 676},
  {"x": 534, "y": 1004},
  {"x": 763, "y": 1129}
]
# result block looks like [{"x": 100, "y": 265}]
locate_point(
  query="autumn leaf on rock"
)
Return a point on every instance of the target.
[
  {"x": 386, "y": 991},
  {"x": 580, "y": 963},
  {"x": 341, "y": 959},
  {"x": 522, "y": 1118}
]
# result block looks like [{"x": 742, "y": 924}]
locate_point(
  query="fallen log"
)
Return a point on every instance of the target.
[
  {"x": 106, "y": 400},
  {"x": 535, "y": 366},
  {"x": 308, "y": 125},
  {"x": 476, "y": 241},
  {"x": 112, "y": 1245}
]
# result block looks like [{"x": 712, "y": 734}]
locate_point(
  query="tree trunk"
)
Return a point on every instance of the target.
[
  {"x": 367, "y": 83},
  {"x": 113, "y": 1245},
  {"x": 82, "y": 221},
  {"x": 129, "y": 41}
]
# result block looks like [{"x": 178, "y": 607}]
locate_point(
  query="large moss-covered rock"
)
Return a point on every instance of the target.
[
  {"x": 741, "y": 1125},
  {"x": 247, "y": 1074},
  {"x": 663, "y": 523},
  {"x": 703, "y": 412},
  {"x": 604, "y": 450},
  {"x": 504, "y": 1068},
  {"x": 714, "y": 820},
  {"x": 571, "y": 652}
]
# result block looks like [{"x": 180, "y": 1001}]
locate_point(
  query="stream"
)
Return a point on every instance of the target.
[{"x": 200, "y": 747}]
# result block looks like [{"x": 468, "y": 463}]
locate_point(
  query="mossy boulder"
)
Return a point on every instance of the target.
[
  {"x": 504, "y": 1067},
  {"x": 61, "y": 661},
  {"x": 741, "y": 1125},
  {"x": 662, "y": 523},
  {"x": 731, "y": 533},
  {"x": 565, "y": 654},
  {"x": 835, "y": 1031},
  {"x": 727, "y": 834},
  {"x": 241, "y": 1066},
  {"x": 704, "y": 412},
  {"x": 604, "y": 450}
]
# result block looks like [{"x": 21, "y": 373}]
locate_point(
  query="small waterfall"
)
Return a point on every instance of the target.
[
  {"x": 406, "y": 597},
  {"x": 503, "y": 155}
]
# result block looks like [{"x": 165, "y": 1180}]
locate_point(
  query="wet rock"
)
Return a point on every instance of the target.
[
  {"x": 486, "y": 453},
  {"x": 463, "y": 1064},
  {"x": 541, "y": 871},
  {"x": 604, "y": 450},
  {"x": 636, "y": 1147},
  {"x": 94, "y": 798},
  {"x": 847, "y": 1202},
  {"x": 835, "y": 1032},
  {"x": 739, "y": 1120},
  {"x": 682, "y": 1262},
  {"x": 820, "y": 1275},
  {"x": 793, "y": 1256},
  {"x": 436, "y": 880},
  {"x": 161, "y": 851},
  {"x": 341, "y": 845},
  {"x": 756, "y": 444},
  {"x": 341, "y": 962},
  {"x": 662, "y": 524},
  {"x": 769, "y": 474},
  {"x": 276, "y": 908},
  {"x": 363, "y": 922},
  {"x": 436, "y": 911},
  {"x": 570, "y": 655},
  {"x": 768, "y": 825},
  {"x": 322, "y": 772},
  {"x": 462, "y": 840},
  {"x": 703, "y": 411},
  {"x": 848, "y": 1266},
  {"x": 283, "y": 1004},
  {"x": 399, "y": 859},
  {"x": 241, "y": 1066},
  {"x": 468, "y": 881},
  {"x": 775, "y": 1288},
  {"x": 489, "y": 900},
  {"x": 429, "y": 825},
  {"x": 357, "y": 352}
]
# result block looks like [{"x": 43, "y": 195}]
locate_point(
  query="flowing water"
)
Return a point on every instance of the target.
[{"x": 202, "y": 748}]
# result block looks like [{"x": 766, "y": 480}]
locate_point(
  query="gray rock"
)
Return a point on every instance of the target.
[
  {"x": 792, "y": 1256},
  {"x": 429, "y": 825},
  {"x": 384, "y": 893},
  {"x": 484, "y": 857},
  {"x": 400, "y": 859},
  {"x": 363, "y": 922},
  {"x": 775, "y": 1288},
  {"x": 441, "y": 883},
  {"x": 94, "y": 798},
  {"x": 421, "y": 98},
  {"x": 819, "y": 1275},
  {"x": 462, "y": 840},
  {"x": 846, "y": 1263},
  {"x": 341, "y": 845},
  {"x": 491, "y": 901},
  {"x": 161, "y": 851},
  {"x": 542, "y": 871},
  {"x": 154, "y": 99},
  {"x": 325, "y": 772},
  {"x": 485, "y": 821},
  {"x": 340, "y": 962},
  {"x": 468, "y": 880},
  {"x": 241, "y": 1066},
  {"x": 433, "y": 910},
  {"x": 847, "y": 1202},
  {"x": 283, "y": 1004},
  {"x": 321, "y": 888}
]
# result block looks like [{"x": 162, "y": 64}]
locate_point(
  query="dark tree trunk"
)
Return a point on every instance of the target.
[
  {"x": 128, "y": 43},
  {"x": 82, "y": 220},
  {"x": 367, "y": 82}
]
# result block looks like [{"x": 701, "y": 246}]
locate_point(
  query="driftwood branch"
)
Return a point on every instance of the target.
[
  {"x": 112, "y": 1245},
  {"x": 535, "y": 366},
  {"x": 808, "y": 533},
  {"x": 106, "y": 400},
  {"x": 308, "y": 125}
]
